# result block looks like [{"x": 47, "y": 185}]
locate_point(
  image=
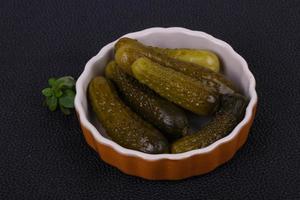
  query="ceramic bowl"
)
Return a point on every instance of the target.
[{"x": 168, "y": 166}]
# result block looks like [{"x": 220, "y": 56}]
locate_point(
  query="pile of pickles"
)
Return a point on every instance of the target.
[{"x": 147, "y": 92}]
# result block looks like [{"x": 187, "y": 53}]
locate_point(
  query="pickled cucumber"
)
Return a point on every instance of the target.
[
  {"x": 178, "y": 88},
  {"x": 231, "y": 110},
  {"x": 128, "y": 50},
  {"x": 123, "y": 126},
  {"x": 203, "y": 58},
  {"x": 161, "y": 113}
]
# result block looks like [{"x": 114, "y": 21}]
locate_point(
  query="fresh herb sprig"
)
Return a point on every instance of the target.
[{"x": 61, "y": 93}]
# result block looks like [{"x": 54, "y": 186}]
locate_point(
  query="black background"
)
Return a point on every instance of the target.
[{"x": 43, "y": 155}]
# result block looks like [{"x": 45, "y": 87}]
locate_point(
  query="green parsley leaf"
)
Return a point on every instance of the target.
[
  {"x": 51, "y": 103},
  {"x": 65, "y": 82},
  {"x": 60, "y": 93},
  {"x": 66, "y": 111},
  {"x": 52, "y": 81},
  {"x": 69, "y": 92},
  {"x": 67, "y": 101},
  {"x": 47, "y": 92}
]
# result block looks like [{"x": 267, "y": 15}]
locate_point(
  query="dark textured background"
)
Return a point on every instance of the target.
[{"x": 43, "y": 155}]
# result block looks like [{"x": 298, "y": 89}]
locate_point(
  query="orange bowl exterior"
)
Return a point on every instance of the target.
[{"x": 167, "y": 169}]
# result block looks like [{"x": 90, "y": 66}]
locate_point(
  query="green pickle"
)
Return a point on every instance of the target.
[
  {"x": 161, "y": 113},
  {"x": 178, "y": 88},
  {"x": 128, "y": 50},
  {"x": 203, "y": 58},
  {"x": 226, "y": 118},
  {"x": 121, "y": 124}
]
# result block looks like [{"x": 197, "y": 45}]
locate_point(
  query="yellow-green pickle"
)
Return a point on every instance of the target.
[
  {"x": 203, "y": 58},
  {"x": 226, "y": 118},
  {"x": 128, "y": 50},
  {"x": 121, "y": 124},
  {"x": 161, "y": 113},
  {"x": 178, "y": 88}
]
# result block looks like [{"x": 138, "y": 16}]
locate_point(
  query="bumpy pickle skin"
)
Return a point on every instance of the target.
[
  {"x": 178, "y": 88},
  {"x": 203, "y": 58},
  {"x": 128, "y": 50},
  {"x": 121, "y": 124},
  {"x": 161, "y": 113},
  {"x": 231, "y": 111}
]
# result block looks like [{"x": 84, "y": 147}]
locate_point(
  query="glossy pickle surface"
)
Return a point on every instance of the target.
[
  {"x": 231, "y": 110},
  {"x": 203, "y": 58},
  {"x": 121, "y": 124},
  {"x": 178, "y": 88},
  {"x": 128, "y": 50},
  {"x": 161, "y": 113}
]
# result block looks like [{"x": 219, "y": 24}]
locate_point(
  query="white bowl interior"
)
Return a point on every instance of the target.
[{"x": 233, "y": 66}]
